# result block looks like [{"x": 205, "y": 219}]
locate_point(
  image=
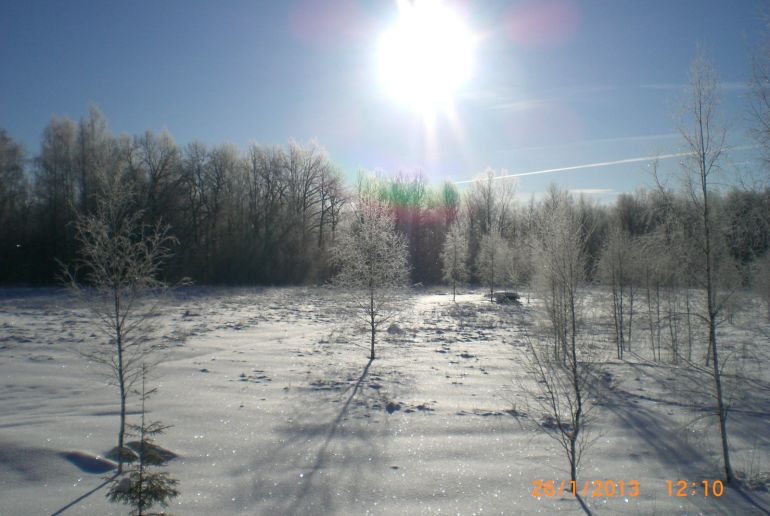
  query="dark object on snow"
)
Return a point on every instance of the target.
[
  {"x": 506, "y": 296},
  {"x": 127, "y": 454},
  {"x": 392, "y": 407},
  {"x": 88, "y": 463},
  {"x": 154, "y": 454}
]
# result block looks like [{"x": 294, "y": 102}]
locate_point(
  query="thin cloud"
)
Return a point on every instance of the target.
[{"x": 601, "y": 164}]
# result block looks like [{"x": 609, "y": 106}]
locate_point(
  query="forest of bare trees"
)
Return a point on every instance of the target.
[{"x": 271, "y": 214}]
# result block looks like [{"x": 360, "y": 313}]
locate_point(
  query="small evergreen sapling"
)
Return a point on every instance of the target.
[{"x": 140, "y": 486}]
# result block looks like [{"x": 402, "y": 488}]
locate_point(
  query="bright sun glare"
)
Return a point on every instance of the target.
[{"x": 426, "y": 56}]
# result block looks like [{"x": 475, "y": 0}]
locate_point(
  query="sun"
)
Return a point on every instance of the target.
[{"x": 426, "y": 56}]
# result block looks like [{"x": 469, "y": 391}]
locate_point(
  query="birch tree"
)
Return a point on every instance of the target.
[
  {"x": 371, "y": 257},
  {"x": 120, "y": 259},
  {"x": 761, "y": 282},
  {"x": 615, "y": 267},
  {"x": 562, "y": 376},
  {"x": 454, "y": 256},
  {"x": 704, "y": 139},
  {"x": 493, "y": 260}
]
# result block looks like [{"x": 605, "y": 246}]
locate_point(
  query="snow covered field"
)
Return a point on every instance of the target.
[{"x": 276, "y": 410}]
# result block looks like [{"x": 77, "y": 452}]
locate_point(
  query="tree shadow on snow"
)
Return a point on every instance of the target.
[
  {"x": 663, "y": 435},
  {"x": 322, "y": 456},
  {"x": 326, "y": 451},
  {"x": 85, "y": 495}
]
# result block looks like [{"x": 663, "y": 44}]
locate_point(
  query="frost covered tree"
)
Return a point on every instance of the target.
[
  {"x": 559, "y": 392},
  {"x": 120, "y": 259},
  {"x": 488, "y": 207},
  {"x": 493, "y": 260},
  {"x": 371, "y": 257},
  {"x": 13, "y": 204},
  {"x": 761, "y": 281},
  {"x": 615, "y": 270},
  {"x": 520, "y": 267},
  {"x": 454, "y": 256},
  {"x": 760, "y": 98},
  {"x": 704, "y": 140},
  {"x": 562, "y": 375}
]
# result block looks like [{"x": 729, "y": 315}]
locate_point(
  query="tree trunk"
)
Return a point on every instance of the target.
[
  {"x": 649, "y": 316},
  {"x": 673, "y": 328},
  {"x": 630, "y": 316},
  {"x": 615, "y": 321},
  {"x": 372, "y": 321},
  {"x": 123, "y": 393},
  {"x": 721, "y": 409},
  {"x": 578, "y": 397},
  {"x": 689, "y": 326},
  {"x": 121, "y": 374},
  {"x": 657, "y": 317},
  {"x": 621, "y": 323}
]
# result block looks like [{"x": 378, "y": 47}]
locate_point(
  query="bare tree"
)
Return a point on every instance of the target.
[
  {"x": 760, "y": 98},
  {"x": 372, "y": 260},
  {"x": 93, "y": 147},
  {"x": 13, "y": 204},
  {"x": 493, "y": 260},
  {"x": 158, "y": 160},
  {"x": 562, "y": 272},
  {"x": 12, "y": 181},
  {"x": 120, "y": 259},
  {"x": 705, "y": 141},
  {"x": 761, "y": 281},
  {"x": 559, "y": 392},
  {"x": 613, "y": 264},
  {"x": 449, "y": 201},
  {"x": 488, "y": 206},
  {"x": 454, "y": 256},
  {"x": 55, "y": 185}
]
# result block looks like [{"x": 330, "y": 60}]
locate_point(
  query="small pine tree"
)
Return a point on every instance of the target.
[{"x": 140, "y": 487}]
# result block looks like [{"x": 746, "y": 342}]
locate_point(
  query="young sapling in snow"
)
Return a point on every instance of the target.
[
  {"x": 121, "y": 258},
  {"x": 140, "y": 486},
  {"x": 371, "y": 257}
]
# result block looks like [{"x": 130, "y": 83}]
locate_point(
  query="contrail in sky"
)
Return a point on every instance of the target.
[{"x": 600, "y": 164}]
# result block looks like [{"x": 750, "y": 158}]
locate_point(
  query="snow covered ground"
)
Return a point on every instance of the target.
[{"x": 276, "y": 410}]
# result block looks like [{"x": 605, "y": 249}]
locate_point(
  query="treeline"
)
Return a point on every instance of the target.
[
  {"x": 264, "y": 217},
  {"x": 270, "y": 215}
]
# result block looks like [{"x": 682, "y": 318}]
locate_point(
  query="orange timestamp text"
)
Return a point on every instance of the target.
[{"x": 585, "y": 488}]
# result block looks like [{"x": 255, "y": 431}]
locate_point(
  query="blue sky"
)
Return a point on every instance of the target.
[{"x": 556, "y": 83}]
